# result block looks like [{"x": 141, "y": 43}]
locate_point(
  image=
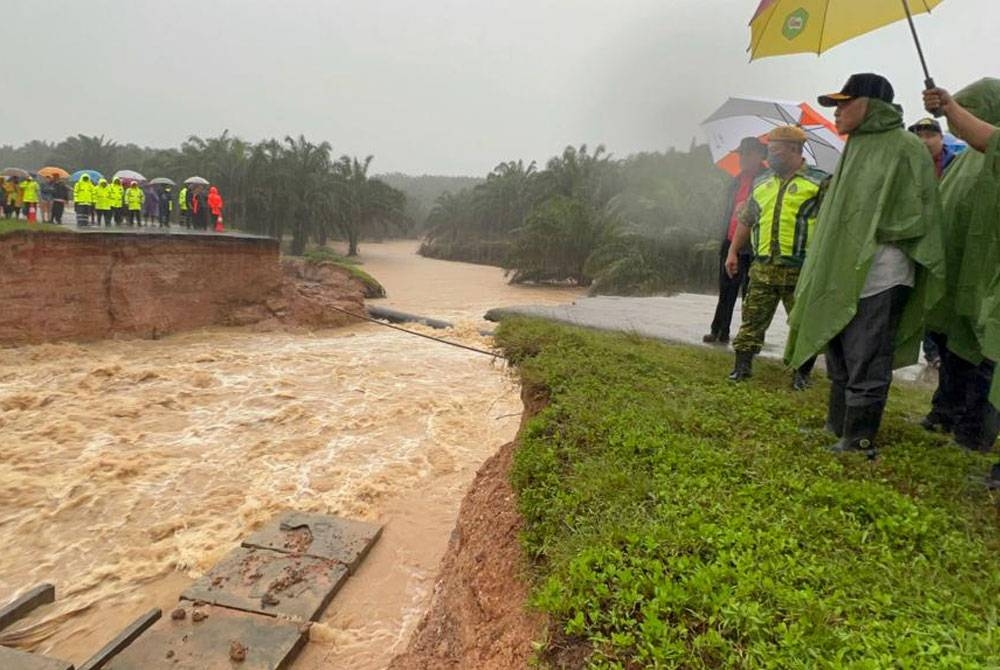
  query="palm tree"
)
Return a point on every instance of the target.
[
  {"x": 87, "y": 151},
  {"x": 364, "y": 203}
]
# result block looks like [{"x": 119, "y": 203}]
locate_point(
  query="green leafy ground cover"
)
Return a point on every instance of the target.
[
  {"x": 677, "y": 520},
  {"x": 373, "y": 288}
]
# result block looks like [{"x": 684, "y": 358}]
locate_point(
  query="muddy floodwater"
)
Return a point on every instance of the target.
[{"x": 129, "y": 467}]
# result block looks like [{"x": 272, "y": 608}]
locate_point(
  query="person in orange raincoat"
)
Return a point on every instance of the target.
[{"x": 215, "y": 207}]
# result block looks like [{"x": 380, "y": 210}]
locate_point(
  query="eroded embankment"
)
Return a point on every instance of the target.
[
  {"x": 66, "y": 286},
  {"x": 479, "y": 617}
]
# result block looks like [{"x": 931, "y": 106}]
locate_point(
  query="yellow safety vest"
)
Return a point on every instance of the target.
[{"x": 785, "y": 214}]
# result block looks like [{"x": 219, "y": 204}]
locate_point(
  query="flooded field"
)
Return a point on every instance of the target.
[{"x": 130, "y": 467}]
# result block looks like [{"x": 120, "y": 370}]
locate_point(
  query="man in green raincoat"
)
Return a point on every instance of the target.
[
  {"x": 973, "y": 116},
  {"x": 961, "y": 402},
  {"x": 876, "y": 264}
]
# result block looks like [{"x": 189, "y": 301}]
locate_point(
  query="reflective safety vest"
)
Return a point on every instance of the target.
[
  {"x": 117, "y": 194},
  {"x": 102, "y": 196},
  {"x": 29, "y": 192},
  {"x": 182, "y": 199},
  {"x": 134, "y": 198},
  {"x": 783, "y": 214},
  {"x": 83, "y": 192}
]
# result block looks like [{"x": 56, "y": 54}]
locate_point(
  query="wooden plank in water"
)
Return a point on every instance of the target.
[
  {"x": 12, "y": 659},
  {"x": 215, "y": 638},
  {"x": 121, "y": 641},
  {"x": 271, "y": 583},
  {"x": 343, "y": 540},
  {"x": 43, "y": 594}
]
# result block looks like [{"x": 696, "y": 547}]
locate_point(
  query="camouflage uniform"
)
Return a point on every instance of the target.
[{"x": 769, "y": 285}]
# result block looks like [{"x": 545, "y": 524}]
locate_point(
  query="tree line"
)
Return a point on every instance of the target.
[
  {"x": 645, "y": 224},
  {"x": 283, "y": 188}
]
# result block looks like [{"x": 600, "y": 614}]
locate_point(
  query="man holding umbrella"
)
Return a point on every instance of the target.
[
  {"x": 752, "y": 153},
  {"x": 876, "y": 264},
  {"x": 970, "y": 316}
]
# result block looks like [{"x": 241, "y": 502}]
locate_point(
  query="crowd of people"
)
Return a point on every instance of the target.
[
  {"x": 115, "y": 203},
  {"x": 896, "y": 248}
]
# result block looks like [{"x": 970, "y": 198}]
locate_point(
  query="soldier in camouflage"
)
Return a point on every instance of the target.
[{"x": 777, "y": 222}]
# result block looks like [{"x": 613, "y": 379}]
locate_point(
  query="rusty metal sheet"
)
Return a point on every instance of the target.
[
  {"x": 270, "y": 582},
  {"x": 343, "y": 540},
  {"x": 213, "y": 639},
  {"x": 12, "y": 659}
]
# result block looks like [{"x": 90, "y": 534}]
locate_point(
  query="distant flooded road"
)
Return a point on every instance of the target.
[{"x": 130, "y": 467}]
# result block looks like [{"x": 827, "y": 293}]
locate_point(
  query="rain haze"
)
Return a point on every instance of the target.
[{"x": 436, "y": 87}]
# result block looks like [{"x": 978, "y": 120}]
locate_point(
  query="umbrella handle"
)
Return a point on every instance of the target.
[
  {"x": 929, "y": 84},
  {"x": 928, "y": 79}
]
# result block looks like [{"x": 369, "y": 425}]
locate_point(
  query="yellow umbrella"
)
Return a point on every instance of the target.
[{"x": 783, "y": 27}]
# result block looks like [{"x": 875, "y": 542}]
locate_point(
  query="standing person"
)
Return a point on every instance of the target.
[
  {"x": 182, "y": 206},
  {"x": 46, "y": 194},
  {"x": 876, "y": 265},
  {"x": 60, "y": 194},
  {"x": 102, "y": 202},
  {"x": 968, "y": 317},
  {"x": 930, "y": 133},
  {"x": 199, "y": 208},
  {"x": 778, "y": 220},
  {"x": 752, "y": 153},
  {"x": 133, "y": 200},
  {"x": 166, "y": 199},
  {"x": 214, "y": 202},
  {"x": 83, "y": 200},
  {"x": 14, "y": 201},
  {"x": 9, "y": 197},
  {"x": 29, "y": 198},
  {"x": 118, "y": 200},
  {"x": 151, "y": 205}
]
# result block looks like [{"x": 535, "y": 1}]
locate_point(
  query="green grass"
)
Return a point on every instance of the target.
[
  {"x": 373, "y": 289},
  {"x": 675, "y": 520},
  {"x": 11, "y": 225}
]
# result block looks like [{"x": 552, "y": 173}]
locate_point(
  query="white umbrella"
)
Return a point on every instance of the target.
[
  {"x": 738, "y": 118},
  {"x": 196, "y": 180},
  {"x": 158, "y": 181},
  {"x": 127, "y": 175}
]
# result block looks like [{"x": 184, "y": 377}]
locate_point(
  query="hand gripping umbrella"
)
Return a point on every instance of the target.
[{"x": 782, "y": 27}]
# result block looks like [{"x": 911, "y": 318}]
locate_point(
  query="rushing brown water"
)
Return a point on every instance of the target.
[{"x": 129, "y": 468}]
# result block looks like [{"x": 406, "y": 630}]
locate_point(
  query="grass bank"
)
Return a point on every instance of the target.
[
  {"x": 677, "y": 520},
  {"x": 11, "y": 225},
  {"x": 373, "y": 288}
]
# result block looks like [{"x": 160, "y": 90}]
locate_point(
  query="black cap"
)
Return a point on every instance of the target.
[
  {"x": 865, "y": 85},
  {"x": 926, "y": 124},
  {"x": 748, "y": 144}
]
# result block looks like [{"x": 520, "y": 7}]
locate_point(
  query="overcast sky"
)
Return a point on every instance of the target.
[{"x": 433, "y": 86}]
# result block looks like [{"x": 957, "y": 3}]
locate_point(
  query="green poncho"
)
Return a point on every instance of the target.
[
  {"x": 971, "y": 220},
  {"x": 883, "y": 192}
]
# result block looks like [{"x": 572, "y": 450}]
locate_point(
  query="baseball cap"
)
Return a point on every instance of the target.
[
  {"x": 866, "y": 85},
  {"x": 926, "y": 124}
]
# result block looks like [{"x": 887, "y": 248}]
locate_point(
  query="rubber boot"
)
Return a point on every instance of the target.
[
  {"x": 835, "y": 409},
  {"x": 993, "y": 479},
  {"x": 802, "y": 379},
  {"x": 743, "y": 369},
  {"x": 861, "y": 424}
]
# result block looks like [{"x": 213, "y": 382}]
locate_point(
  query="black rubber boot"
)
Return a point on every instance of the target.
[
  {"x": 993, "y": 479},
  {"x": 835, "y": 409},
  {"x": 861, "y": 424},
  {"x": 743, "y": 369},
  {"x": 801, "y": 380}
]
